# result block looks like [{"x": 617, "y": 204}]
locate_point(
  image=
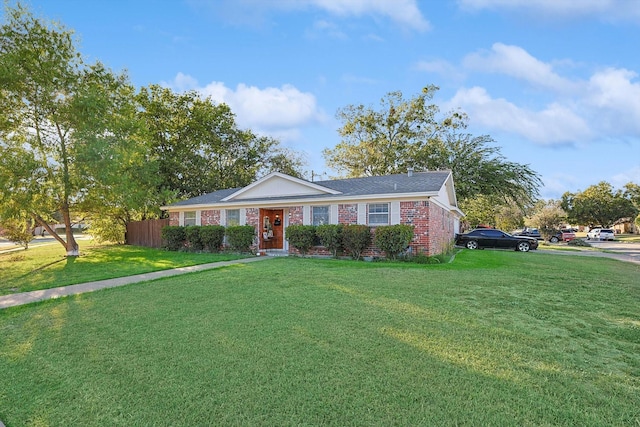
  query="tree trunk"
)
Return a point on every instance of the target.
[{"x": 71, "y": 244}]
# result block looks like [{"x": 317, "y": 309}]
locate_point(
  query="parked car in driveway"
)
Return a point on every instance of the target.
[
  {"x": 601, "y": 234},
  {"x": 530, "y": 232},
  {"x": 481, "y": 238},
  {"x": 564, "y": 235}
]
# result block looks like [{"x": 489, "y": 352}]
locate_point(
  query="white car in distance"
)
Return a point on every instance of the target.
[{"x": 601, "y": 234}]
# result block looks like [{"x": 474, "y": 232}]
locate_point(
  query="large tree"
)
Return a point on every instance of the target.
[
  {"x": 548, "y": 217},
  {"x": 65, "y": 126},
  {"x": 411, "y": 133},
  {"x": 598, "y": 205},
  {"x": 200, "y": 147}
]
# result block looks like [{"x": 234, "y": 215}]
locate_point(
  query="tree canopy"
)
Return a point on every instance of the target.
[
  {"x": 63, "y": 127},
  {"x": 200, "y": 148},
  {"x": 411, "y": 133},
  {"x": 598, "y": 205},
  {"x": 79, "y": 141},
  {"x": 548, "y": 217}
]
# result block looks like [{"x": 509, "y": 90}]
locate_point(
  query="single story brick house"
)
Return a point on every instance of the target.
[{"x": 426, "y": 200}]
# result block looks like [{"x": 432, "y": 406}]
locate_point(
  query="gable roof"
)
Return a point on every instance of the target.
[
  {"x": 281, "y": 184},
  {"x": 278, "y": 187}
]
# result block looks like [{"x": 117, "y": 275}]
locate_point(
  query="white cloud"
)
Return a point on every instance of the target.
[
  {"x": 556, "y": 184},
  {"x": 274, "y": 111},
  {"x": 182, "y": 83},
  {"x": 625, "y": 177},
  {"x": 616, "y": 98},
  {"x": 601, "y": 9},
  {"x": 326, "y": 28},
  {"x": 403, "y": 12},
  {"x": 516, "y": 62},
  {"x": 555, "y": 124},
  {"x": 603, "y": 107}
]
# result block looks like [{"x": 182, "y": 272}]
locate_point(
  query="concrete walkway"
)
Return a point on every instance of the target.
[{"x": 63, "y": 291}]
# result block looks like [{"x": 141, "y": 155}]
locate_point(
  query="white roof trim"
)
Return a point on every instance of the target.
[
  {"x": 275, "y": 202},
  {"x": 451, "y": 189},
  {"x": 314, "y": 187}
]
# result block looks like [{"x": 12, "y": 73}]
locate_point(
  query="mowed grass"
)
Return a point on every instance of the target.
[
  {"x": 493, "y": 338},
  {"x": 43, "y": 267}
]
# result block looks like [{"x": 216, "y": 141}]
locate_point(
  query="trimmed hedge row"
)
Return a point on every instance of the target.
[
  {"x": 352, "y": 239},
  {"x": 208, "y": 237}
]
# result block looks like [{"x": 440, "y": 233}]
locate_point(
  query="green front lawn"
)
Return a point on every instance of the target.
[
  {"x": 494, "y": 338},
  {"x": 43, "y": 267}
]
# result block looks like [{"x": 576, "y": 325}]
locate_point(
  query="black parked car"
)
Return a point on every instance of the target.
[{"x": 491, "y": 238}]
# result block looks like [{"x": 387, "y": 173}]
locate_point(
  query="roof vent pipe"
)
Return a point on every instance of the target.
[{"x": 409, "y": 171}]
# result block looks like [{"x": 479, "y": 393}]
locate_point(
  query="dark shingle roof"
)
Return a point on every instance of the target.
[{"x": 419, "y": 182}]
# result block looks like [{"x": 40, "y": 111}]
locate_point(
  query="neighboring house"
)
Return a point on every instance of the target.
[
  {"x": 625, "y": 226},
  {"x": 426, "y": 200}
]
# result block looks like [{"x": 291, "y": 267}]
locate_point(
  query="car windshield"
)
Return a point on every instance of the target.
[{"x": 606, "y": 231}]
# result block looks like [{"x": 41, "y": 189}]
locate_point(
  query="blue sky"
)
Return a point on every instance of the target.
[{"x": 556, "y": 83}]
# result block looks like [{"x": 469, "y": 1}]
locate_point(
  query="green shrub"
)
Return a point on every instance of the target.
[
  {"x": 301, "y": 237},
  {"x": 212, "y": 237},
  {"x": 18, "y": 232},
  {"x": 192, "y": 234},
  {"x": 174, "y": 237},
  {"x": 330, "y": 236},
  {"x": 578, "y": 242},
  {"x": 107, "y": 229},
  {"x": 355, "y": 239},
  {"x": 240, "y": 237},
  {"x": 393, "y": 239}
]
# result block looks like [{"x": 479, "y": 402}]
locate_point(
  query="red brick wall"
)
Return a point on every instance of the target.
[
  {"x": 416, "y": 213},
  {"x": 295, "y": 215},
  {"x": 441, "y": 229},
  {"x": 433, "y": 227},
  {"x": 433, "y": 230},
  {"x": 174, "y": 218},
  {"x": 252, "y": 217},
  {"x": 348, "y": 214},
  {"x": 210, "y": 217}
]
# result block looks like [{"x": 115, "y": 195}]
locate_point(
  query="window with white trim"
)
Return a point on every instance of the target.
[
  {"x": 378, "y": 213},
  {"x": 233, "y": 217},
  {"x": 319, "y": 215},
  {"x": 190, "y": 218}
]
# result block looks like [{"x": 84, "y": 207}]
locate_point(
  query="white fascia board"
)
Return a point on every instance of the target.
[
  {"x": 277, "y": 203},
  {"x": 451, "y": 190}
]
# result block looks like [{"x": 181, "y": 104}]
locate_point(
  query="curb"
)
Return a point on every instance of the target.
[{"x": 14, "y": 300}]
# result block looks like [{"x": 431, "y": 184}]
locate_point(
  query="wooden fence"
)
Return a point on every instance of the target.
[{"x": 146, "y": 233}]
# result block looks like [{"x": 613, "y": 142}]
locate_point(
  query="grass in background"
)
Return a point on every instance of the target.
[
  {"x": 44, "y": 267},
  {"x": 628, "y": 238},
  {"x": 494, "y": 338}
]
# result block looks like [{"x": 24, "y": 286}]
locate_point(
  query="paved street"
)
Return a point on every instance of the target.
[{"x": 629, "y": 249}]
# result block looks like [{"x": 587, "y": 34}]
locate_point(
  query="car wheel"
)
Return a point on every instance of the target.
[
  {"x": 472, "y": 244},
  {"x": 554, "y": 239},
  {"x": 523, "y": 246}
]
